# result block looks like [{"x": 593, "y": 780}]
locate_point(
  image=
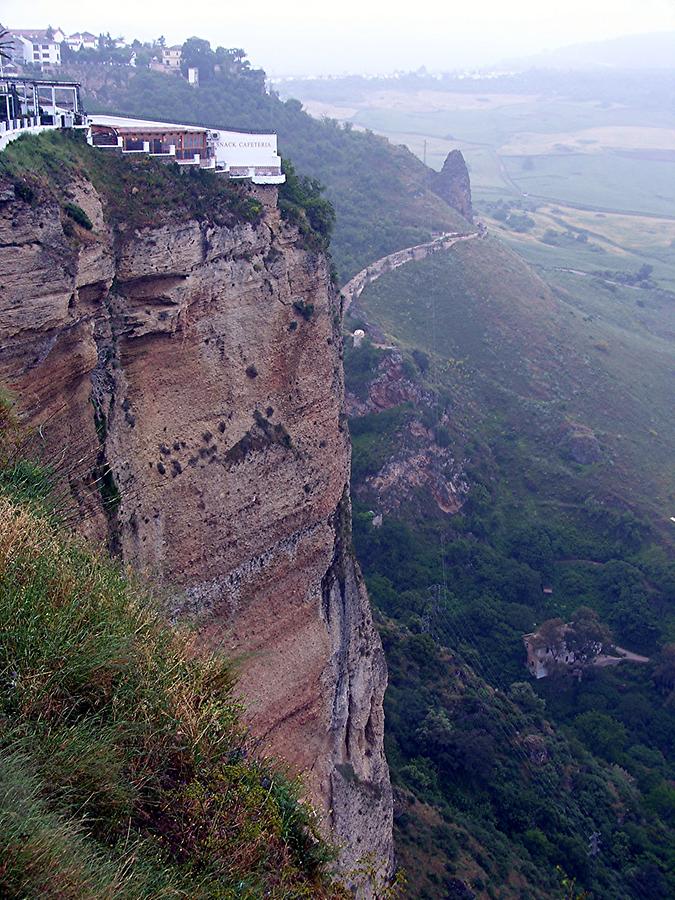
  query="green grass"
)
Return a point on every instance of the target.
[
  {"x": 603, "y": 180},
  {"x": 125, "y": 769},
  {"x": 583, "y": 353}
]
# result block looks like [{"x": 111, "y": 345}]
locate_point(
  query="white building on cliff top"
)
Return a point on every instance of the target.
[{"x": 236, "y": 153}]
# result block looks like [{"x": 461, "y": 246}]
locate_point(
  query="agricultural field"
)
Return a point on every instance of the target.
[{"x": 571, "y": 183}]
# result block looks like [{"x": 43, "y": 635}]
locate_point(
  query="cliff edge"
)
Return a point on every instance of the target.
[{"x": 179, "y": 346}]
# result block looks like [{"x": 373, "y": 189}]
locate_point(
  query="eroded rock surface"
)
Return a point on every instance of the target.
[
  {"x": 419, "y": 466},
  {"x": 453, "y": 184},
  {"x": 188, "y": 382}
]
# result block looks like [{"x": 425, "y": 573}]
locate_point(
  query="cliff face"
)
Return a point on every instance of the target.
[
  {"x": 188, "y": 380},
  {"x": 453, "y": 185}
]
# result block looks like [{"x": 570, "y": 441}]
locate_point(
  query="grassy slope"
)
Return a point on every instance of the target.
[
  {"x": 137, "y": 193},
  {"x": 536, "y": 358},
  {"x": 512, "y": 362}
]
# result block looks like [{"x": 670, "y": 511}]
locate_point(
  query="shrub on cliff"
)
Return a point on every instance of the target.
[
  {"x": 301, "y": 202},
  {"x": 77, "y": 214},
  {"x": 125, "y": 769}
]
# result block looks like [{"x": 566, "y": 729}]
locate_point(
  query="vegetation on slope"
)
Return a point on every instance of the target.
[
  {"x": 379, "y": 191},
  {"x": 491, "y": 794},
  {"x": 535, "y": 364},
  {"x": 136, "y": 192},
  {"x": 125, "y": 769},
  {"x": 513, "y": 370}
]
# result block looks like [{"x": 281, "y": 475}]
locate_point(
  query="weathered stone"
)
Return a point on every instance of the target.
[
  {"x": 580, "y": 444},
  {"x": 133, "y": 347},
  {"x": 452, "y": 183}
]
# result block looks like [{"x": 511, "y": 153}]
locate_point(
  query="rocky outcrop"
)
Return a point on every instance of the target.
[
  {"x": 579, "y": 443},
  {"x": 187, "y": 380},
  {"x": 419, "y": 463},
  {"x": 431, "y": 468},
  {"x": 453, "y": 185},
  {"x": 391, "y": 385}
]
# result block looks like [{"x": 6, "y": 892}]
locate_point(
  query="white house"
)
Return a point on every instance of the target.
[
  {"x": 34, "y": 46},
  {"x": 82, "y": 40},
  {"x": 171, "y": 56}
]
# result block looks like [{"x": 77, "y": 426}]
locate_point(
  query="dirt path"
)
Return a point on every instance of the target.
[
  {"x": 355, "y": 286},
  {"x": 622, "y": 654}
]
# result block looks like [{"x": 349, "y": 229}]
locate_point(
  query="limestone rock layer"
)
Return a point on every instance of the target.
[{"x": 187, "y": 381}]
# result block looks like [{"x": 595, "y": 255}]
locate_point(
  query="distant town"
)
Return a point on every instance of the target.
[{"x": 47, "y": 48}]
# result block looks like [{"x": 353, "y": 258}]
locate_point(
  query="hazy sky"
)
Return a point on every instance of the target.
[{"x": 305, "y": 36}]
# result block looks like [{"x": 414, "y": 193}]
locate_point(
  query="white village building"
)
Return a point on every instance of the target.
[
  {"x": 35, "y": 46},
  {"x": 82, "y": 40}
]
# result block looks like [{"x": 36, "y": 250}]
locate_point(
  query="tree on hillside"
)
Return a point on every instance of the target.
[
  {"x": 664, "y": 673},
  {"x": 232, "y": 60},
  {"x": 196, "y": 53},
  {"x": 550, "y": 635},
  {"x": 586, "y": 635},
  {"x": 601, "y": 733},
  {"x": 301, "y": 201}
]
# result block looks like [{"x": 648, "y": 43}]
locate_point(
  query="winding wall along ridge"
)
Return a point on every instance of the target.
[{"x": 356, "y": 285}]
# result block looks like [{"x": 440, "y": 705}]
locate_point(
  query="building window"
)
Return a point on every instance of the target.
[{"x": 193, "y": 140}]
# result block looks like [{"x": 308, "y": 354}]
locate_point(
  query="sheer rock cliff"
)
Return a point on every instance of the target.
[{"x": 187, "y": 379}]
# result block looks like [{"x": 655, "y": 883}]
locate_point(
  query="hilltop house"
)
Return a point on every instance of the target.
[
  {"x": 82, "y": 40},
  {"x": 171, "y": 56},
  {"x": 545, "y": 652},
  {"x": 35, "y": 46}
]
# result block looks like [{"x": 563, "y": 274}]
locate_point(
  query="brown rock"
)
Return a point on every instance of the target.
[
  {"x": 453, "y": 184},
  {"x": 579, "y": 443},
  {"x": 132, "y": 351}
]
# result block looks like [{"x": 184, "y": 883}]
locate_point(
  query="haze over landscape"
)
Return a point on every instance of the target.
[
  {"x": 337, "y": 451},
  {"x": 302, "y": 39}
]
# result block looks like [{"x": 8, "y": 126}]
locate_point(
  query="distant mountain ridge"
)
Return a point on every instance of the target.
[{"x": 655, "y": 50}]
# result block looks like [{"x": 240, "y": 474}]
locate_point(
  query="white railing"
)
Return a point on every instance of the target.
[{"x": 11, "y": 129}]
